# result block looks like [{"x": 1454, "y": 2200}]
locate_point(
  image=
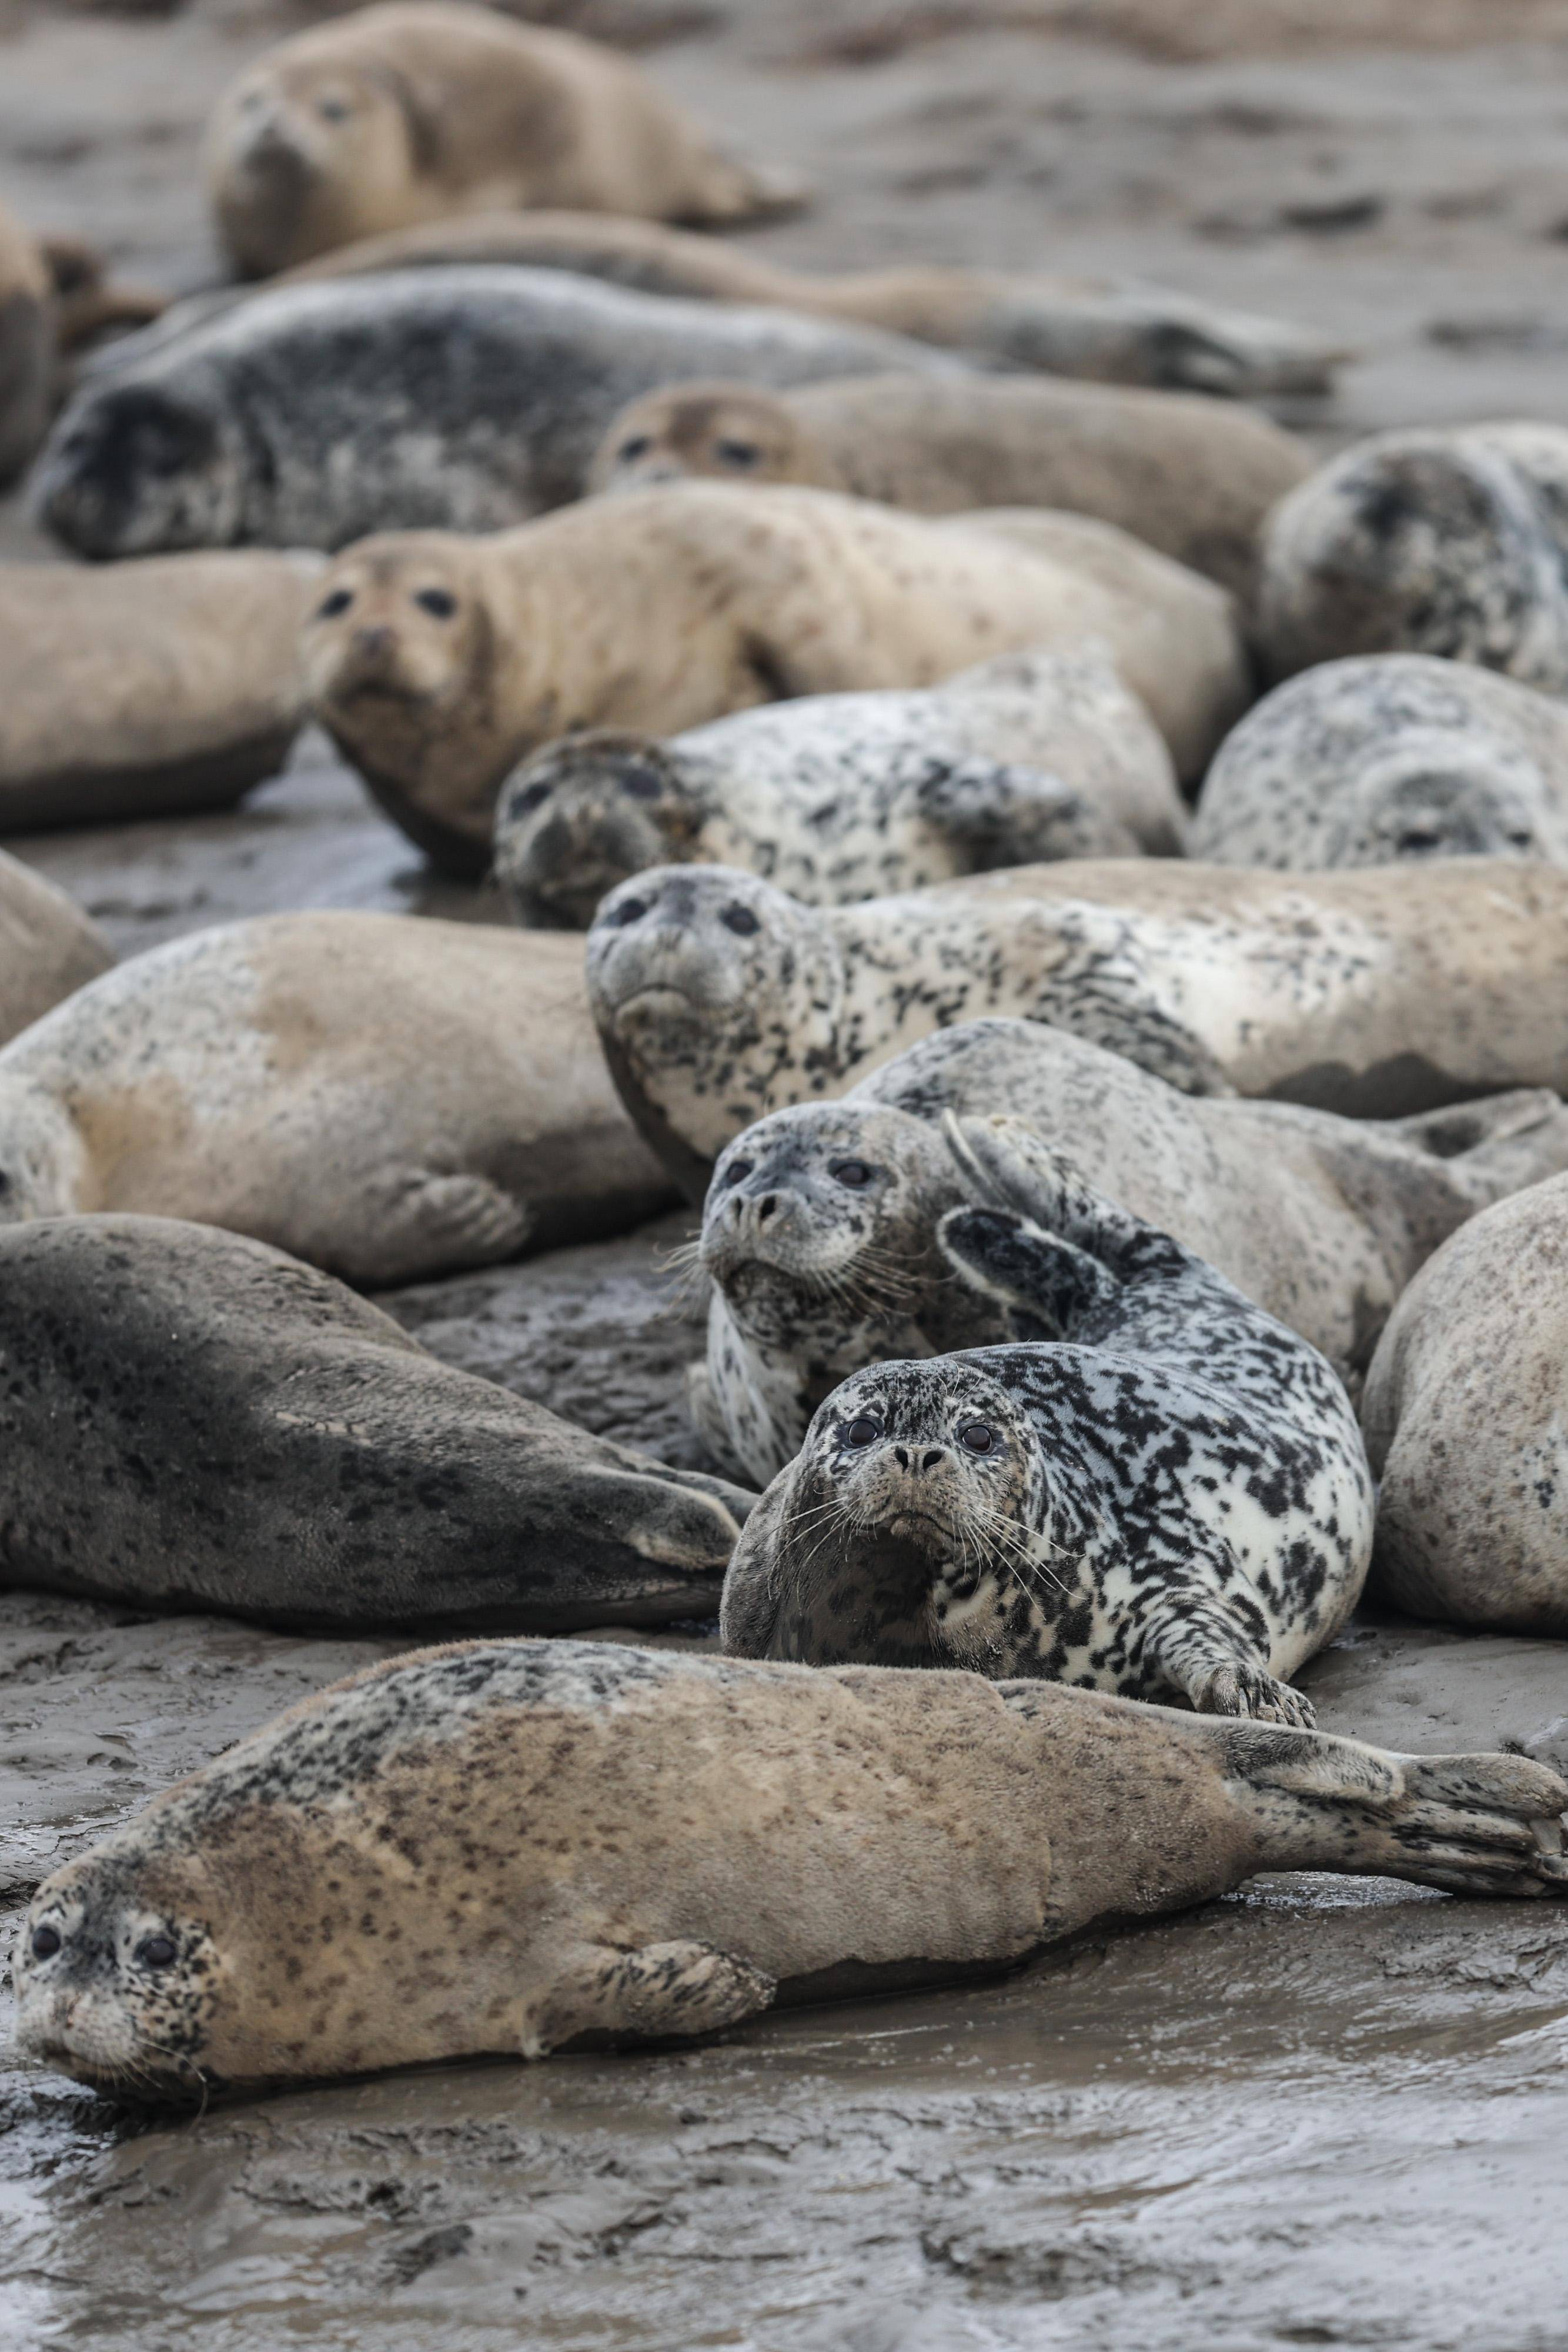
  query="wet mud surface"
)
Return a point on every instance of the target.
[{"x": 1322, "y": 2112}]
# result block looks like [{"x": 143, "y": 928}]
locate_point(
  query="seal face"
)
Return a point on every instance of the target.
[
  {"x": 722, "y": 430},
  {"x": 1165, "y": 1494}
]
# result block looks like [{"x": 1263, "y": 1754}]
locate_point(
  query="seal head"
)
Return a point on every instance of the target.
[
  {"x": 1432, "y": 796},
  {"x": 722, "y": 432},
  {"x": 300, "y": 153},
  {"x": 137, "y": 468},
  {"x": 588, "y": 813}
]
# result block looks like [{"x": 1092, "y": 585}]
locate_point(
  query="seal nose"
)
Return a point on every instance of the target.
[
  {"x": 931, "y": 1459},
  {"x": 766, "y": 1207},
  {"x": 374, "y": 642}
]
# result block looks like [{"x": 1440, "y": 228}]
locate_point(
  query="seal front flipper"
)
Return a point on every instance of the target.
[
  {"x": 650, "y": 1991},
  {"x": 1006, "y": 816},
  {"x": 1213, "y": 1646},
  {"x": 1045, "y": 1280},
  {"x": 421, "y": 1223}
]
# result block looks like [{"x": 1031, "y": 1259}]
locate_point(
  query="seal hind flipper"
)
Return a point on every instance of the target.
[
  {"x": 1007, "y": 815},
  {"x": 656, "y": 1990}
]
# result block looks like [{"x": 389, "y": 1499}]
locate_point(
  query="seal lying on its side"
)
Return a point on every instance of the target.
[
  {"x": 1193, "y": 479},
  {"x": 436, "y": 663},
  {"x": 1166, "y": 1495},
  {"x": 652, "y": 1843},
  {"x": 48, "y": 946},
  {"x": 147, "y": 689},
  {"x": 842, "y": 797},
  {"x": 384, "y": 1095},
  {"x": 820, "y": 1230},
  {"x": 1465, "y": 1421},
  {"x": 1376, "y": 993},
  {"x": 246, "y": 1435},
  {"x": 1385, "y": 757}
]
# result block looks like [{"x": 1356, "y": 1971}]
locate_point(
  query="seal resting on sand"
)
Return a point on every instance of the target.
[{"x": 497, "y": 1847}]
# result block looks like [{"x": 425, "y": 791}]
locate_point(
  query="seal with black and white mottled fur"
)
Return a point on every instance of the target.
[
  {"x": 837, "y": 797},
  {"x": 1386, "y": 757},
  {"x": 1164, "y": 1495},
  {"x": 497, "y": 1847},
  {"x": 820, "y": 1231}
]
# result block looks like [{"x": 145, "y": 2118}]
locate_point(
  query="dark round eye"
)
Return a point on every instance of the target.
[
  {"x": 4, "y": 1183},
  {"x": 1521, "y": 840},
  {"x": 332, "y": 110},
  {"x": 156, "y": 1951},
  {"x": 642, "y": 784},
  {"x": 740, "y": 454},
  {"x": 1418, "y": 836},
  {"x": 438, "y": 602},
  {"x": 630, "y": 911},
  {"x": 741, "y": 921},
  {"x": 637, "y": 447},
  {"x": 852, "y": 1172},
  {"x": 337, "y": 602},
  {"x": 978, "y": 1435},
  {"x": 46, "y": 1943},
  {"x": 531, "y": 797},
  {"x": 863, "y": 1431},
  {"x": 737, "y": 1171}
]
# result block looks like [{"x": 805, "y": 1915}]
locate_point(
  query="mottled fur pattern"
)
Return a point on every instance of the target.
[
  {"x": 498, "y": 1847},
  {"x": 1164, "y": 1495}
]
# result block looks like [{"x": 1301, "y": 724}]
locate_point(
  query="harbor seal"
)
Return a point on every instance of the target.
[
  {"x": 436, "y": 663},
  {"x": 463, "y": 399},
  {"x": 493, "y": 1848},
  {"x": 48, "y": 946},
  {"x": 1447, "y": 540},
  {"x": 819, "y": 1233},
  {"x": 1376, "y": 993},
  {"x": 1164, "y": 1495},
  {"x": 385, "y": 1095},
  {"x": 147, "y": 689},
  {"x": 1386, "y": 757},
  {"x": 246, "y": 1435},
  {"x": 842, "y": 797},
  {"x": 1194, "y": 479},
  {"x": 26, "y": 346},
  {"x": 410, "y": 112},
  {"x": 1464, "y": 1422}
]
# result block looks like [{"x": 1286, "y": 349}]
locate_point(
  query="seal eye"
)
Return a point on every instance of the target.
[
  {"x": 630, "y": 911},
  {"x": 1521, "y": 840},
  {"x": 863, "y": 1431},
  {"x": 1418, "y": 836},
  {"x": 333, "y": 110},
  {"x": 852, "y": 1172},
  {"x": 531, "y": 797},
  {"x": 337, "y": 602},
  {"x": 737, "y": 1171},
  {"x": 642, "y": 784},
  {"x": 156, "y": 1951},
  {"x": 637, "y": 447},
  {"x": 46, "y": 1943},
  {"x": 4, "y": 1183},
  {"x": 439, "y": 602},
  {"x": 742, "y": 454},
  {"x": 740, "y": 920},
  {"x": 977, "y": 1436}
]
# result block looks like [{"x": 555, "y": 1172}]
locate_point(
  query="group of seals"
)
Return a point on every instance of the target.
[
  {"x": 719, "y": 997},
  {"x": 497, "y": 1847},
  {"x": 387, "y": 1097},
  {"x": 820, "y": 1231},
  {"x": 189, "y": 1420},
  {"x": 842, "y": 797},
  {"x": 1385, "y": 757},
  {"x": 1190, "y": 477},
  {"x": 436, "y": 662},
  {"x": 48, "y": 946},
  {"x": 1155, "y": 1489},
  {"x": 421, "y": 109},
  {"x": 163, "y": 687}
]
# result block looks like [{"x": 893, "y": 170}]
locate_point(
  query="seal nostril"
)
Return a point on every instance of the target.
[
  {"x": 766, "y": 1207},
  {"x": 901, "y": 1456},
  {"x": 929, "y": 1461}
]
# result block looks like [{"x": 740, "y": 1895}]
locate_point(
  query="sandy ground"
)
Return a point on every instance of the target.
[{"x": 1318, "y": 2113}]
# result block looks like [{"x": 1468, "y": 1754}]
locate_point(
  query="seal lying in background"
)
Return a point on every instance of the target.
[
  {"x": 842, "y": 797},
  {"x": 1448, "y": 540},
  {"x": 48, "y": 946},
  {"x": 1193, "y": 479},
  {"x": 1389, "y": 756},
  {"x": 436, "y": 663},
  {"x": 1465, "y": 1422},
  {"x": 26, "y": 346},
  {"x": 1165, "y": 1496},
  {"x": 463, "y": 399},
  {"x": 151, "y": 690},
  {"x": 404, "y": 113},
  {"x": 246, "y": 1435},
  {"x": 654, "y": 1843},
  {"x": 1376, "y": 993},
  {"x": 385, "y": 1095},
  {"x": 819, "y": 1229}
]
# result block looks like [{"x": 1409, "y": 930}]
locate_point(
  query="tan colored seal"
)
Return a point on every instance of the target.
[
  {"x": 149, "y": 689},
  {"x": 384, "y": 1096},
  {"x": 436, "y": 662},
  {"x": 1191, "y": 478},
  {"x": 495, "y": 1847},
  {"x": 26, "y": 346},
  {"x": 48, "y": 946},
  {"x": 421, "y": 109}
]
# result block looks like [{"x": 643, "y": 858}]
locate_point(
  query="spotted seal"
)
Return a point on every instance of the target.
[
  {"x": 436, "y": 663},
  {"x": 820, "y": 1232},
  {"x": 1385, "y": 757},
  {"x": 844, "y": 796},
  {"x": 1376, "y": 993},
  {"x": 151, "y": 690},
  {"x": 1447, "y": 540},
  {"x": 420, "y": 109},
  {"x": 48, "y": 946},
  {"x": 1163, "y": 1493},
  {"x": 495, "y": 1848},
  {"x": 249, "y": 1436},
  {"x": 1464, "y": 1422},
  {"x": 1193, "y": 479},
  {"x": 386, "y": 1095},
  {"x": 461, "y": 399}
]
